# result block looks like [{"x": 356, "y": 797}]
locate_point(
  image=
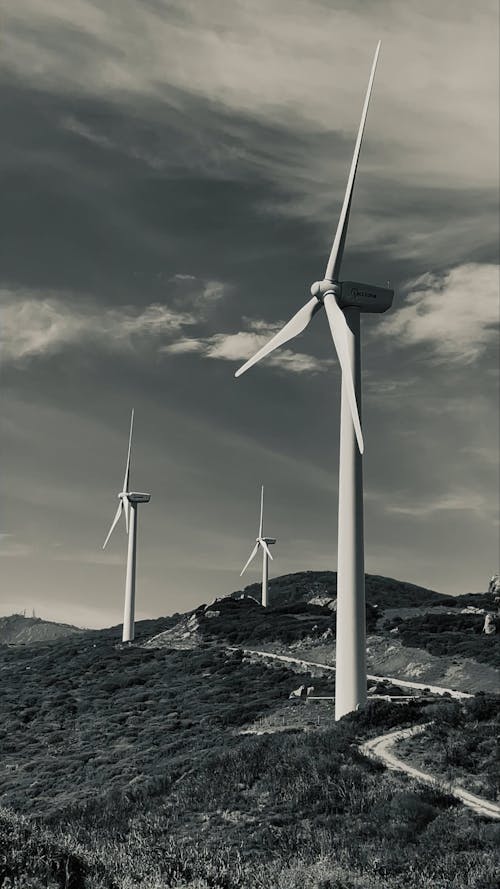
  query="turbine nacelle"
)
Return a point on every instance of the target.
[
  {"x": 365, "y": 297},
  {"x": 350, "y": 294},
  {"x": 134, "y": 497},
  {"x": 268, "y": 540}
]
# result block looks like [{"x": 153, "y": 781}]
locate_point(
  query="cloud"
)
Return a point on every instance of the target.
[
  {"x": 91, "y": 134},
  {"x": 214, "y": 89},
  {"x": 35, "y": 324},
  {"x": 199, "y": 296},
  {"x": 454, "y": 314},
  {"x": 243, "y": 56},
  {"x": 40, "y": 326},
  {"x": 14, "y": 549},
  {"x": 467, "y": 501},
  {"x": 242, "y": 345}
]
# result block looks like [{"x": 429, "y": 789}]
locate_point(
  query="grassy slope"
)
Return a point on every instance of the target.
[
  {"x": 461, "y": 745},
  {"x": 450, "y": 634},
  {"x": 83, "y": 719},
  {"x": 131, "y": 762}
]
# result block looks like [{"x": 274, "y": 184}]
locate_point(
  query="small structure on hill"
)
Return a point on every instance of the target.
[{"x": 303, "y": 691}]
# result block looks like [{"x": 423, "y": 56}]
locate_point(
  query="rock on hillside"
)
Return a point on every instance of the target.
[
  {"x": 19, "y": 630},
  {"x": 183, "y": 635},
  {"x": 186, "y": 632}
]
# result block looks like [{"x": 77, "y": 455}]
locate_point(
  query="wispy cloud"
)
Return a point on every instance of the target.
[
  {"x": 467, "y": 502},
  {"x": 245, "y": 343},
  {"x": 37, "y": 324},
  {"x": 14, "y": 549},
  {"x": 241, "y": 56},
  {"x": 455, "y": 314}
]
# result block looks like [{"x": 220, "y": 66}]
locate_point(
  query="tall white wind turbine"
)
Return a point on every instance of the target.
[
  {"x": 344, "y": 302},
  {"x": 263, "y": 543},
  {"x": 128, "y": 502}
]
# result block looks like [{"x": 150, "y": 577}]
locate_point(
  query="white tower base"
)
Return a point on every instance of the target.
[
  {"x": 264, "y": 577},
  {"x": 350, "y": 677},
  {"x": 129, "y": 610}
]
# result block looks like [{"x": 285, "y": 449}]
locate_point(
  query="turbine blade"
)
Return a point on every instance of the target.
[
  {"x": 261, "y": 523},
  {"x": 126, "y": 510},
  {"x": 295, "y": 326},
  {"x": 252, "y": 556},
  {"x": 337, "y": 251},
  {"x": 338, "y": 327},
  {"x": 126, "y": 480},
  {"x": 265, "y": 547},
  {"x": 114, "y": 523}
]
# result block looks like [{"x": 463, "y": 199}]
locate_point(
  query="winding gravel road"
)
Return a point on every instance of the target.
[
  {"x": 380, "y": 747},
  {"x": 404, "y": 683}
]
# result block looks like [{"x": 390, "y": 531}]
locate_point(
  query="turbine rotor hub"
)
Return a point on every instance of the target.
[{"x": 320, "y": 288}]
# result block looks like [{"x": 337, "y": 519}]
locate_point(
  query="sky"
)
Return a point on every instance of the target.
[{"x": 171, "y": 177}]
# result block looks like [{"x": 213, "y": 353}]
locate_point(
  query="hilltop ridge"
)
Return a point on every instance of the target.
[
  {"x": 16, "y": 629},
  {"x": 380, "y": 590}
]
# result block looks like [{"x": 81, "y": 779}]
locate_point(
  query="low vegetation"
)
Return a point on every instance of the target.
[
  {"x": 133, "y": 771},
  {"x": 461, "y": 744},
  {"x": 84, "y": 722},
  {"x": 380, "y": 591},
  {"x": 130, "y": 767},
  {"x": 457, "y": 635}
]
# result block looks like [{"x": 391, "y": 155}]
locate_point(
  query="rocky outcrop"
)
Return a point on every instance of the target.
[
  {"x": 324, "y": 602},
  {"x": 494, "y": 586},
  {"x": 490, "y": 625}
]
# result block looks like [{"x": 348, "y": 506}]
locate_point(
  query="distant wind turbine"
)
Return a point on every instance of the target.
[
  {"x": 264, "y": 543},
  {"x": 129, "y": 501},
  {"x": 343, "y": 302}
]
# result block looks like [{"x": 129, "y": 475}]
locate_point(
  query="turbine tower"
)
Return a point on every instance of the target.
[
  {"x": 264, "y": 543},
  {"x": 128, "y": 504},
  {"x": 344, "y": 301}
]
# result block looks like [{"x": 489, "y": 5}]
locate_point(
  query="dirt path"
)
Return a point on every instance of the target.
[
  {"x": 380, "y": 748},
  {"x": 404, "y": 683}
]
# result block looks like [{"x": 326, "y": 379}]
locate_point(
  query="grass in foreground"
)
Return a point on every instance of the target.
[{"x": 138, "y": 777}]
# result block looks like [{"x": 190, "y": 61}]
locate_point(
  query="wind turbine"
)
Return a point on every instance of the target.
[
  {"x": 129, "y": 501},
  {"x": 264, "y": 543},
  {"x": 344, "y": 301}
]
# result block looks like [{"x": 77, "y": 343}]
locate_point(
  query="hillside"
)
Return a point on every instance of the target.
[
  {"x": 380, "y": 591},
  {"x": 19, "y": 630},
  {"x": 432, "y": 640},
  {"x": 131, "y": 768},
  {"x": 181, "y": 762}
]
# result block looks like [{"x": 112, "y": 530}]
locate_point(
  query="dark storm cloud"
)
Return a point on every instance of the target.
[{"x": 170, "y": 185}]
